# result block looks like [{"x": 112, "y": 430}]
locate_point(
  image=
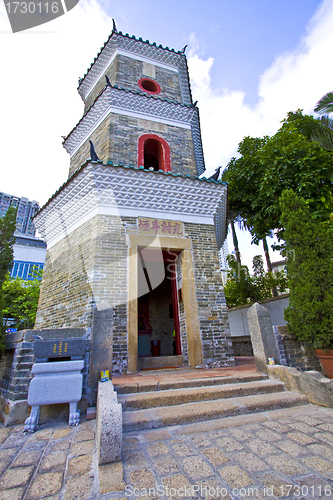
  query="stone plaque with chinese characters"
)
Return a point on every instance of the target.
[{"x": 160, "y": 227}]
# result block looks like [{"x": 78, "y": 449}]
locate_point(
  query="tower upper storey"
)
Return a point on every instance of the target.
[
  {"x": 138, "y": 109},
  {"x": 140, "y": 66}
]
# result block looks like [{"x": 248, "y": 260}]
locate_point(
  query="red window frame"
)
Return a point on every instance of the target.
[
  {"x": 151, "y": 82},
  {"x": 166, "y": 160}
]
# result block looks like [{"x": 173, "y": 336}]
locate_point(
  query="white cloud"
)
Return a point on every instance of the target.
[
  {"x": 296, "y": 79},
  {"x": 44, "y": 65}
]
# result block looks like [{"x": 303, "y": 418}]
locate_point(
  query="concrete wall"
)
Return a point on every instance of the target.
[{"x": 238, "y": 316}]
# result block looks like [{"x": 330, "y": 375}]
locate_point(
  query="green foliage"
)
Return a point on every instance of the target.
[
  {"x": 241, "y": 288},
  {"x": 319, "y": 130},
  {"x": 7, "y": 239},
  {"x": 21, "y": 300},
  {"x": 325, "y": 104},
  {"x": 267, "y": 166},
  {"x": 309, "y": 248}
]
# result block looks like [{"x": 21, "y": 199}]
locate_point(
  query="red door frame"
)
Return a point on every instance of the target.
[{"x": 175, "y": 306}]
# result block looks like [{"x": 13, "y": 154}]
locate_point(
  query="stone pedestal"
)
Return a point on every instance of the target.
[
  {"x": 262, "y": 337},
  {"x": 109, "y": 430}
]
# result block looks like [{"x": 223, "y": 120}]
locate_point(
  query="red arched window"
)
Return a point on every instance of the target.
[{"x": 154, "y": 152}]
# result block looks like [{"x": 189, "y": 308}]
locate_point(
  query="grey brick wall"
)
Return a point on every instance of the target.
[
  {"x": 294, "y": 353},
  {"x": 214, "y": 325},
  {"x": 116, "y": 139},
  {"x": 90, "y": 266},
  {"x": 101, "y": 139},
  {"x": 125, "y": 72}
]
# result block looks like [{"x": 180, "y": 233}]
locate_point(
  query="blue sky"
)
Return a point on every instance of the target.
[{"x": 250, "y": 62}]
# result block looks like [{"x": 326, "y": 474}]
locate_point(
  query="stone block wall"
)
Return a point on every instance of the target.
[
  {"x": 87, "y": 268},
  {"x": 15, "y": 367},
  {"x": 242, "y": 345},
  {"x": 126, "y": 72},
  {"x": 111, "y": 72},
  {"x": 294, "y": 353},
  {"x": 66, "y": 296},
  {"x": 129, "y": 71},
  {"x": 183, "y": 336},
  {"x": 5, "y": 370},
  {"x": 213, "y": 317},
  {"x": 116, "y": 140},
  {"x": 100, "y": 138}
]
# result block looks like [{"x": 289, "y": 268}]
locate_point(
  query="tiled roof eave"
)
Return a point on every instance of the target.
[
  {"x": 134, "y": 92},
  {"x": 112, "y": 164}
]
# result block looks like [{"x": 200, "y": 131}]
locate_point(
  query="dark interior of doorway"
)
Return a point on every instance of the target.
[{"x": 158, "y": 317}]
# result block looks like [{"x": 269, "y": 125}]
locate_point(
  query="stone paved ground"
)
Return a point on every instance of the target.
[{"x": 280, "y": 454}]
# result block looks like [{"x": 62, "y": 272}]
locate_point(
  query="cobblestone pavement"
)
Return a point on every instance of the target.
[{"x": 279, "y": 454}]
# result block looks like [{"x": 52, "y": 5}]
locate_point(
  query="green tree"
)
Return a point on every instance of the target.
[
  {"x": 21, "y": 300},
  {"x": 7, "y": 239},
  {"x": 243, "y": 179},
  {"x": 238, "y": 202},
  {"x": 309, "y": 248},
  {"x": 268, "y": 166},
  {"x": 242, "y": 288},
  {"x": 318, "y": 129},
  {"x": 239, "y": 288}
]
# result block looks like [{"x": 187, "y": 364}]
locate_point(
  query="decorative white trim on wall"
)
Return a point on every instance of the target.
[{"x": 120, "y": 191}]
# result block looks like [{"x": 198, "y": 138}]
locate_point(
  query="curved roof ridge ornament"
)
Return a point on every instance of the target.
[
  {"x": 183, "y": 49},
  {"x": 93, "y": 154},
  {"x": 114, "y": 28},
  {"x": 215, "y": 176}
]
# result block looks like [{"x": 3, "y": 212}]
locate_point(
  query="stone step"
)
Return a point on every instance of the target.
[
  {"x": 209, "y": 410},
  {"x": 180, "y": 383},
  {"x": 172, "y": 397}
]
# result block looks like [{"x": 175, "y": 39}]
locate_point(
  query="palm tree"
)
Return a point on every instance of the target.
[
  {"x": 325, "y": 104},
  {"x": 320, "y": 129},
  {"x": 233, "y": 217},
  {"x": 324, "y": 134}
]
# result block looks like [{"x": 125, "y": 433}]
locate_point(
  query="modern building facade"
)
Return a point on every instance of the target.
[
  {"x": 133, "y": 234},
  {"x": 29, "y": 250}
]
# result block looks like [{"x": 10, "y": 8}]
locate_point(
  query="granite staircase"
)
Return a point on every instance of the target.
[{"x": 151, "y": 404}]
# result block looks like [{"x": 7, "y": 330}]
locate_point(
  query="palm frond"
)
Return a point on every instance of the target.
[
  {"x": 319, "y": 130},
  {"x": 326, "y": 121},
  {"x": 305, "y": 124},
  {"x": 324, "y": 137},
  {"x": 325, "y": 104}
]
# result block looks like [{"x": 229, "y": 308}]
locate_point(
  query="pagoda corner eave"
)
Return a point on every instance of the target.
[{"x": 105, "y": 189}]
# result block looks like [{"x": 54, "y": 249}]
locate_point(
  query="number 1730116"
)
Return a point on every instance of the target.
[
  {"x": 317, "y": 491},
  {"x": 32, "y": 7}
]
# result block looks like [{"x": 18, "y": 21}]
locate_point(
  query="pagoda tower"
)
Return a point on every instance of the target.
[{"x": 133, "y": 234}]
